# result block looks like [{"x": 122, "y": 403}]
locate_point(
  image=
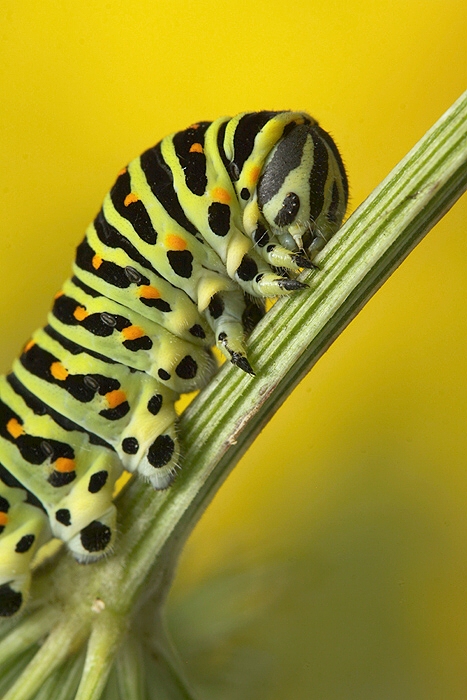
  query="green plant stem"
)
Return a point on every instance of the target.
[
  {"x": 107, "y": 632},
  {"x": 129, "y": 672},
  {"x": 64, "y": 640},
  {"x": 27, "y": 632},
  {"x": 222, "y": 422}
]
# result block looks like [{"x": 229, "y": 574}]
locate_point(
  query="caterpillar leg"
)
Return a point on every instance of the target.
[
  {"x": 85, "y": 518},
  {"x": 24, "y": 528},
  {"x": 252, "y": 273},
  {"x": 14, "y": 593},
  {"x": 160, "y": 458},
  {"x": 255, "y": 309},
  {"x": 257, "y": 279},
  {"x": 232, "y": 317},
  {"x": 277, "y": 256},
  {"x": 267, "y": 245},
  {"x": 148, "y": 444},
  {"x": 96, "y": 539}
]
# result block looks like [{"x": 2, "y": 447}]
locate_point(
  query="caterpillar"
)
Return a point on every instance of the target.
[{"x": 192, "y": 238}]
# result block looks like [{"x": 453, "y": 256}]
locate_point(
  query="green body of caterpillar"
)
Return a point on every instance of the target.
[{"x": 193, "y": 230}]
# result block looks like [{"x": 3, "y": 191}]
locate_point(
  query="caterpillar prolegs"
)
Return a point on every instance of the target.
[{"x": 190, "y": 240}]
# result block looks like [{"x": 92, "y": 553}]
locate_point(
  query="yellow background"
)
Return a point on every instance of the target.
[{"x": 333, "y": 563}]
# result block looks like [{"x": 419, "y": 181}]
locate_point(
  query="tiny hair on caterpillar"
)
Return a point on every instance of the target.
[{"x": 192, "y": 238}]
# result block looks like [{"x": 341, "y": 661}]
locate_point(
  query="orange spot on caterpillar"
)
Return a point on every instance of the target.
[
  {"x": 58, "y": 371},
  {"x": 196, "y": 148},
  {"x": 80, "y": 313},
  {"x": 58, "y": 294},
  {"x": 30, "y": 344},
  {"x": 64, "y": 465},
  {"x": 219, "y": 194},
  {"x": 96, "y": 262},
  {"x": 254, "y": 174},
  {"x": 148, "y": 292},
  {"x": 3, "y": 519},
  {"x": 14, "y": 428},
  {"x": 121, "y": 172},
  {"x": 194, "y": 126},
  {"x": 132, "y": 332},
  {"x": 174, "y": 242},
  {"x": 115, "y": 398},
  {"x": 130, "y": 198}
]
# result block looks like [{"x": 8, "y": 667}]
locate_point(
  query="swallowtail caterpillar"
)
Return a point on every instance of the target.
[{"x": 190, "y": 240}]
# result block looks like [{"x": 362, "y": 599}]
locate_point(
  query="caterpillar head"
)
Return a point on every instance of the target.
[{"x": 302, "y": 192}]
